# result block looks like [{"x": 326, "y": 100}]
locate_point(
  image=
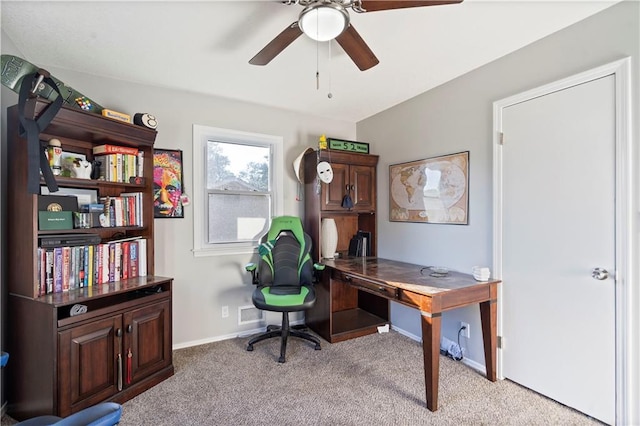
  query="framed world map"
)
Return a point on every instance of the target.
[{"x": 433, "y": 190}]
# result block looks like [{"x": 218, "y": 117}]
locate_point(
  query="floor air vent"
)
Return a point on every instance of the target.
[{"x": 249, "y": 314}]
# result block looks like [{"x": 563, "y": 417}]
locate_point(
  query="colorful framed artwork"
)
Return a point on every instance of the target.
[
  {"x": 167, "y": 183},
  {"x": 433, "y": 190}
]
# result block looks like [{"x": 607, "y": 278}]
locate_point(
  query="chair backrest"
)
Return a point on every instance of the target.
[{"x": 288, "y": 264}]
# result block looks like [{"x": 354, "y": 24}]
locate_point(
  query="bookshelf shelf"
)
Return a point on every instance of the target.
[{"x": 123, "y": 316}]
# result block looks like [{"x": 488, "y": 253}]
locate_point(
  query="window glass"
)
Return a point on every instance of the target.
[{"x": 240, "y": 183}]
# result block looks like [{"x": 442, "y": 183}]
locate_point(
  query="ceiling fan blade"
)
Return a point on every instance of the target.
[
  {"x": 357, "y": 49},
  {"x": 374, "y": 5},
  {"x": 277, "y": 45}
]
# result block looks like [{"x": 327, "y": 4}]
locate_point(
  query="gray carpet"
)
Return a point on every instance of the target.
[{"x": 372, "y": 380}]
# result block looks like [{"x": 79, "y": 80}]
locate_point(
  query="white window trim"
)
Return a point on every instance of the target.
[{"x": 203, "y": 134}]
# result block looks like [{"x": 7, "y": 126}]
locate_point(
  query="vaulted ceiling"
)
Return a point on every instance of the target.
[{"x": 205, "y": 46}]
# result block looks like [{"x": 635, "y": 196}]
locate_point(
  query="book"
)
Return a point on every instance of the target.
[
  {"x": 142, "y": 257},
  {"x": 57, "y": 269},
  {"x": 114, "y": 149},
  {"x": 66, "y": 268},
  {"x": 49, "y": 271},
  {"x": 133, "y": 259}
]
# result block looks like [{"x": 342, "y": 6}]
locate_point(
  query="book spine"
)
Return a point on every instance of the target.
[
  {"x": 111, "y": 250},
  {"x": 57, "y": 269},
  {"x": 126, "y": 248},
  {"x": 73, "y": 268},
  {"x": 140, "y": 164},
  {"x": 49, "y": 273},
  {"x": 40, "y": 284},
  {"x": 133, "y": 259},
  {"x": 142, "y": 257},
  {"x": 66, "y": 268},
  {"x": 90, "y": 264},
  {"x": 114, "y": 149},
  {"x": 117, "y": 262}
]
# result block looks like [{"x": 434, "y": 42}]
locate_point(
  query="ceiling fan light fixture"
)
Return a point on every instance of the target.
[{"x": 323, "y": 22}]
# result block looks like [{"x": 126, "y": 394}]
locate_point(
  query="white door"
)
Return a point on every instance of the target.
[{"x": 558, "y": 226}]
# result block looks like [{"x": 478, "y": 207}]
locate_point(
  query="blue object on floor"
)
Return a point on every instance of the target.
[
  {"x": 103, "y": 414},
  {"x": 4, "y": 357}
]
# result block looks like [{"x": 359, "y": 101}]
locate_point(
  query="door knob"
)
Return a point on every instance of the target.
[{"x": 600, "y": 274}]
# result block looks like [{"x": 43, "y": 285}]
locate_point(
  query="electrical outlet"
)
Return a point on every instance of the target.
[
  {"x": 466, "y": 332},
  {"x": 225, "y": 311}
]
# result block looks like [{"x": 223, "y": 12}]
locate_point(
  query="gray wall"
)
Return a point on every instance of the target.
[{"x": 458, "y": 116}]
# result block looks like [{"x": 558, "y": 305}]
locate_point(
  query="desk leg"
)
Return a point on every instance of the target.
[
  {"x": 489, "y": 316},
  {"x": 431, "y": 352}
]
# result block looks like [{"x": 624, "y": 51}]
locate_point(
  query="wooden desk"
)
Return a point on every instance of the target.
[{"x": 353, "y": 300}]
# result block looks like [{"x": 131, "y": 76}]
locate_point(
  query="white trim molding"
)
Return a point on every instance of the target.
[{"x": 627, "y": 216}]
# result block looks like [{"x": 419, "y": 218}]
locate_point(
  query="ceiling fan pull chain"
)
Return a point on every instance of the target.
[{"x": 329, "y": 95}]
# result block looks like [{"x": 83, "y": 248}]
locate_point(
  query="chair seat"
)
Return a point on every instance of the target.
[{"x": 265, "y": 300}]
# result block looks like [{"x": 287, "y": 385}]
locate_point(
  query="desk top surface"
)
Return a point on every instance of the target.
[{"x": 404, "y": 275}]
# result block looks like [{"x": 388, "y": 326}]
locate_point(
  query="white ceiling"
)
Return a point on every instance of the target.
[{"x": 205, "y": 47}]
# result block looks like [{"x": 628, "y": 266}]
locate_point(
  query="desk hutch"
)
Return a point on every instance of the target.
[{"x": 341, "y": 311}]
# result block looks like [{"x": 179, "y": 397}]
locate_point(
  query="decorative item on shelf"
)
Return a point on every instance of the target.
[
  {"x": 120, "y": 116},
  {"x": 350, "y": 146},
  {"x": 95, "y": 169},
  {"x": 81, "y": 169},
  {"x": 145, "y": 120},
  {"x": 329, "y": 232},
  {"x": 325, "y": 172},
  {"x": 322, "y": 142},
  {"x": 54, "y": 154}
]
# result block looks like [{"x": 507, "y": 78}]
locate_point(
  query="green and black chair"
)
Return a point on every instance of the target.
[{"x": 285, "y": 276}]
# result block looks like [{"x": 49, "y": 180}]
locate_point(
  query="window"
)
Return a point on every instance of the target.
[{"x": 238, "y": 184}]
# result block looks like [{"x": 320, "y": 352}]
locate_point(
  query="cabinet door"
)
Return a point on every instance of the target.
[
  {"x": 88, "y": 364},
  {"x": 147, "y": 342},
  {"x": 363, "y": 182},
  {"x": 334, "y": 192}
]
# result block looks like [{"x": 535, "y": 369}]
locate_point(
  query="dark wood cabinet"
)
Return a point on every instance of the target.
[
  {"x": 342, "y": 311},
  {"x": 358, "y": 181},
  {"x": 63, "y": 361},
  {"x": 353, "y": 174}
]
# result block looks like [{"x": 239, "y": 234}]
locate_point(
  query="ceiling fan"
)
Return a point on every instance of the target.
[{"x": 324, "y": 20}]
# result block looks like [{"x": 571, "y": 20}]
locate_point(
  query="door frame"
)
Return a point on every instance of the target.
[{"x": 626, "y": 354}]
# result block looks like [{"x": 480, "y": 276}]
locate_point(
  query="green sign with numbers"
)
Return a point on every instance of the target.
[{"x": 351, "y": 146}]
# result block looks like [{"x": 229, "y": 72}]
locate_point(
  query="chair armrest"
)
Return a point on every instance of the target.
[
  {"x": 253, "y": 268},
  {"x": 317, "y": 269}
]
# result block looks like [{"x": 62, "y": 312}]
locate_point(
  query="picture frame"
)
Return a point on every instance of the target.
[
  {"x": 168, "y": 184},
  {"x": 431, "y": 190}
]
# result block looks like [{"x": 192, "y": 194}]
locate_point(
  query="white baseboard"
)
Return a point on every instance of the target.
[
  {"x": 242, "y": 334},
  {"x": 466, "y": 361}
]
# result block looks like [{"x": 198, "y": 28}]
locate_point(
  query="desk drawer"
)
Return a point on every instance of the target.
[{"x": 370, "y": 286}]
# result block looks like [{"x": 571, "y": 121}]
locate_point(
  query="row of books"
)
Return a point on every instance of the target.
[
  {"x": 125, "y": 210},
  {"x": 66, "y": 268},
  {"x": 119, "y": 163}
]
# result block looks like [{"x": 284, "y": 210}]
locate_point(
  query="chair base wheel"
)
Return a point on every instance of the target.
[
  {"x": 317, "y": 348},
  {"x": 250, "y": 348},
  {"x": 281, "y": 360}
]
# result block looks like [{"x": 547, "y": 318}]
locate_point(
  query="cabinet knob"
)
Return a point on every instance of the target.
[
  {"x": 129, "y": 328},
  {"x": 119, "y": 332}
]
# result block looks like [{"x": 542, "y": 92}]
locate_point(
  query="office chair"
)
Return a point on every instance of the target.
[
  {"x": 103, "y": 414},
  {"x": 284, "y": 277}
]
